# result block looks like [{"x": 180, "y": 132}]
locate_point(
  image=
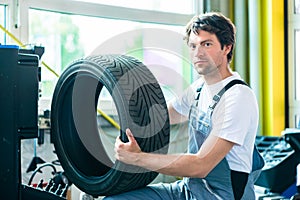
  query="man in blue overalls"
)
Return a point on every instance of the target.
[{"x": 222, "y": 161}]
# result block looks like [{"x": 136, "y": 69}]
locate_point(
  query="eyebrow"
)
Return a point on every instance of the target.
[
  {"x": 202, "y": 42},
  {"x": 205, "y": 41}
]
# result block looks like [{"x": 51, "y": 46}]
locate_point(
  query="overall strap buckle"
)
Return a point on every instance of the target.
[{"x": 218, "y": 96}]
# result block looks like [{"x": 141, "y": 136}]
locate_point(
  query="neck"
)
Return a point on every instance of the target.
[{"x": 219, "y": 75}]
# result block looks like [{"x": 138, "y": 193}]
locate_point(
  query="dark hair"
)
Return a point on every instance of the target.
[{"x": 217, "y": 24}]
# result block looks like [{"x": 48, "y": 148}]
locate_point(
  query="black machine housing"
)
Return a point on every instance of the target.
[{"x": 19, "y": 86}]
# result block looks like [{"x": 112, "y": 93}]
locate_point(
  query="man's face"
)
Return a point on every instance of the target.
[{"x": 206, "y": 53}]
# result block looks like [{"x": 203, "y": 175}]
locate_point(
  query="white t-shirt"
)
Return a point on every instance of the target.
[{"x": 235, "y": 118}]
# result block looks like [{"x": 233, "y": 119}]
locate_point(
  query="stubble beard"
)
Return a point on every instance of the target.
[{"x": 206, "y": 70}]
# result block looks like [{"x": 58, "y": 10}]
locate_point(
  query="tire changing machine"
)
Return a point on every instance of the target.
[{"x": 19, "y": 86}]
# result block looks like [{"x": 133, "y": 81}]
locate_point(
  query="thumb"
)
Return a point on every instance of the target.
[{"x": 130, "y": 135}]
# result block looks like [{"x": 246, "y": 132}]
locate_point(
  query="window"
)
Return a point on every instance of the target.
[{"x": 69, "y": 37}]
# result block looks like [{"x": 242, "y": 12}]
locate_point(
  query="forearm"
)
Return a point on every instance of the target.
[
  {"x": 188, "y": 165},
  {"x": 185, "y": 165}
]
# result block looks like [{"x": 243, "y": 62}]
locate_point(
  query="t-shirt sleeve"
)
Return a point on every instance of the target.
[
  {"x": 234, "y": 115},
  {"x": 182, "y": 103}
]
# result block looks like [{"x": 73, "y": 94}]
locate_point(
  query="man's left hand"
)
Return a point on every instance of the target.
[{"x": 127, "y": 152}]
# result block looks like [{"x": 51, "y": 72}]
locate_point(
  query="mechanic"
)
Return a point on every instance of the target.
[{"x": 222, "y": 161}]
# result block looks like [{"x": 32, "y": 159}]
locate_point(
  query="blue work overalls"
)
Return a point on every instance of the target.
[{"x": 217, "y": 184}]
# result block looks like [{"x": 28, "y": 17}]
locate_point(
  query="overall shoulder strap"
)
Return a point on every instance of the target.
[
  {"x": 218, "y": 96},
  {"x": 198, "y": 93}
]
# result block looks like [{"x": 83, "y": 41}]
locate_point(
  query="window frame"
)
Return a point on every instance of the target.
[
  {"x": 4, "y": 23},
  {"x": 18, "y": 13}
]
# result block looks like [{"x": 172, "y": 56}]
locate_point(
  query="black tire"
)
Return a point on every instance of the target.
[{"x": 140, "y": 105}]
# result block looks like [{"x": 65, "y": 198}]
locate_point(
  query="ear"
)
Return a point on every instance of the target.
[{"x": 227, "y": 48}]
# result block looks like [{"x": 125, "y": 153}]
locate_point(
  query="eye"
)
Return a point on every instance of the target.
[
  {"x": 207, "y": 44},
  {"x": 192, "y": 46}
]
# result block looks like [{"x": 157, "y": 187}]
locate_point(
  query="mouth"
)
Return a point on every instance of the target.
[{"x": 199, "y": 62}]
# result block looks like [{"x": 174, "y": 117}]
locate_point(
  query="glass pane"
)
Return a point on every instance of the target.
[
  {"x": 69, "y": 37},
  {"x": 174, "y": 6},
  {"x": 297, "y": 6},
  {"x": 297, "y": 63},
  {"x": 2, "y": 23}
]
